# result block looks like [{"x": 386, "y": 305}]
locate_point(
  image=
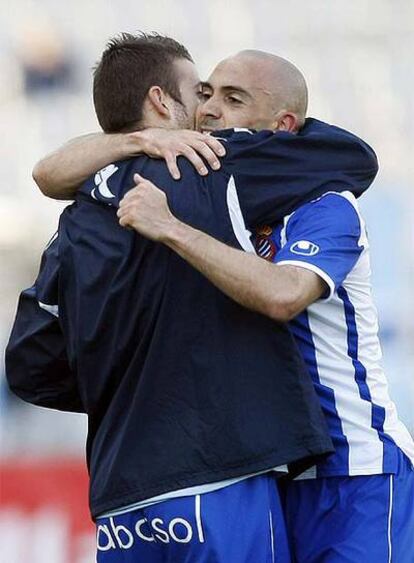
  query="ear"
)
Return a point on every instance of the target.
[
  {"x": 159, "y": 101},
  {"x": 286, "y": 121}
]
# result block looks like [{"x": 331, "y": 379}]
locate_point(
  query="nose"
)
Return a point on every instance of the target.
[{"x": 210, "y": 109}]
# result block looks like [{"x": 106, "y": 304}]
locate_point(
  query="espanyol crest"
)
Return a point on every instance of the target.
[
  {"x": 264, "y": 245},
  {"x": 101, "y": 181},
  {"x": 305, "y": 248}
]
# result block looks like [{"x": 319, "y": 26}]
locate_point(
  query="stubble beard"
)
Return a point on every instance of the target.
[{"x": 182, "y": 118}]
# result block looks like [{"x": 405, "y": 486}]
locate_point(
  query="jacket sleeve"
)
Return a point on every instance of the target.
[
  {"x": 276, "y": 172},
  {"x": 37, "y": 368}
]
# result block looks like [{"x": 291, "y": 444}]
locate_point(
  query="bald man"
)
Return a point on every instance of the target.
[
  {"x": 257, "y": 90},
  {"x": 357, "y": 505}
]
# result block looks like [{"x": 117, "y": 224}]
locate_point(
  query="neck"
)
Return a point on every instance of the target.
[{"x": 152, "y": 118}]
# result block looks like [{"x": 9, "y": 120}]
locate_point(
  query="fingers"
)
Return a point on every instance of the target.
[
  {"x": 138, "y": 178},
  {"x": 127, "y": 210},
  {"x": 214, "y": 144},
  {"x": 128, "y": 203},
  {"x": 139, "y": 182},
  {"x": 171, "y": 161},
  {"x": 124, "y": 220},
  {"x": 131, "y": 194},
  {"x": 200, "y": 149},
  {"x": 123, "y": 208},
  {"x": 143, "y": 189},
  {"x": 205, "y": 146},
  {"x": 124, "y": 215},
  {"x": 203, "y": 149},
  {"x": 191, "y": 155}
]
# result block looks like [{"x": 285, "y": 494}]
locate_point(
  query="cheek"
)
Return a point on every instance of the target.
[
  {"x": 194, "y": 106},
  {"x": 198, "y": 113},
  {"x": 237, "y": 117}
]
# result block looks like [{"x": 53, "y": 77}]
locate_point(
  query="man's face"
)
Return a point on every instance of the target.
[
  {"x": 184, "y": 113},
  {"x": 236, "y": 95}
]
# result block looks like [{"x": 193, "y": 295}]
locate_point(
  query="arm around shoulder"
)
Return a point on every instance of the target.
[{"x": 59, "y": 174}]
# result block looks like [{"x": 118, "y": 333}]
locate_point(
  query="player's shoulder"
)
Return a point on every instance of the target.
[
  {"x": 109, "y": 184},
  {"x": 242, "y": 141},
  {"x": 344, "y": 201},
  {"x": 239, "y": 136},
  {"x": 248, "y": 150},
  {"x": 236, "y": 134},
  {"x": 337, "y": 212}
]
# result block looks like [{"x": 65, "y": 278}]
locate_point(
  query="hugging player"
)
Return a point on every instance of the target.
[{"x": 315, "y": 260}]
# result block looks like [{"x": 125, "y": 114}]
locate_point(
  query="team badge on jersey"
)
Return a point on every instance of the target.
[{"x": 264, "y": 245}]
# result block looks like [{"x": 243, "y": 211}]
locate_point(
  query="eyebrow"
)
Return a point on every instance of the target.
[{"x": 228, "y": 88}]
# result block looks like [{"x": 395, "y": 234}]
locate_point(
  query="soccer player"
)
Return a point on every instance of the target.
[
  {"x": 189, "y": 396},
  {"x": 358, "y": 504}
]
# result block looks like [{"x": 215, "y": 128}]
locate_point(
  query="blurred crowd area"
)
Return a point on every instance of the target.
[{"x": 357, "y": 58}]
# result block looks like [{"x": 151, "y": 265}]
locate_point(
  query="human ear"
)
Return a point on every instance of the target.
[
  {"x": 159, "y": 101},
  {"x": 286, "y": 121}
]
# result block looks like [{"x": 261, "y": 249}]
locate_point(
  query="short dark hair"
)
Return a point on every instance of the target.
[{"x": 129, "y": 67}]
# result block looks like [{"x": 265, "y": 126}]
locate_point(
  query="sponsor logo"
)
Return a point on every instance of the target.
[
  {"x": 304, "y": 248},
  {"x": 101, "y": 182},
  {"x": 179, "y": 530}
]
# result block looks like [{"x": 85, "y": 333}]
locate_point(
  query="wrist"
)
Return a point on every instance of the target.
[
  {"x": 133, "y": 143},
  {"x": 178, "y": 235}
]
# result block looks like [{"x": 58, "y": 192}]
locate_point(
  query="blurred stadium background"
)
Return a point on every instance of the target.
[{"x": 357, "y": 58}]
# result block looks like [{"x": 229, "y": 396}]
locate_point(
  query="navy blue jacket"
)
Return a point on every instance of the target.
[{"x": 182, "y": 386}]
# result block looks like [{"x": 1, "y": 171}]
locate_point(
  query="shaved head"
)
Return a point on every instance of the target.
[
  {"x": 254, "y": 89},
  {"x": 283, "y": 80}
]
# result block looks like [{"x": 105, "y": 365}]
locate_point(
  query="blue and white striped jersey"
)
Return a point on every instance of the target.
[{"x": 338, "y": 335}]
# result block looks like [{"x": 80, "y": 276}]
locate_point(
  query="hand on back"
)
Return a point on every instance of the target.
[{"x": 199, "y": 148}]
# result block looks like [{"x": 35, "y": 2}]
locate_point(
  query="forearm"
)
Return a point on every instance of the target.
[
  {"x": 60, "y": 173},
  {"x": 280, "y": 292},
  {"x": 251, "y": 281}
]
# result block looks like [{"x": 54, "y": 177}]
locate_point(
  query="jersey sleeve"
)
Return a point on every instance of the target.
[
  {"x": 37, "y": 368},
  {"x": 276, "y": 172},
  {"x": 326, "y": 237}
]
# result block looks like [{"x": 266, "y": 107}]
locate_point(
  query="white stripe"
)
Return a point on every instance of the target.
[
  {"x": 336, "y": 371},
  {"x": 239, "y": 227},
  {"x": 370, "y": 355},
  {"x": 272, "y": 539},
  {"x": 363, "y": 239},
  {"x": 198, "y": 518},
  {"x": 55, "y": 236},
  {"x": 389, "y": 519},
  {"x": 283, "y": 236},
  {"x": 52, "y": 309},
  {"x": 310, "y": 473},
  {"x": 191, "y": 491},
  {"x": 369, "y": 352}
]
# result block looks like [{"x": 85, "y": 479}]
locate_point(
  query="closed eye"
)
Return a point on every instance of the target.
[
  {"x": 233, "y": 100},
  {"x": 203, "y": 96}
]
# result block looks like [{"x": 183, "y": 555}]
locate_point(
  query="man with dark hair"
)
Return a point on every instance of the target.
[
  {"x": 193, "y": 401},
  {"x": 125, "y": 77}
]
